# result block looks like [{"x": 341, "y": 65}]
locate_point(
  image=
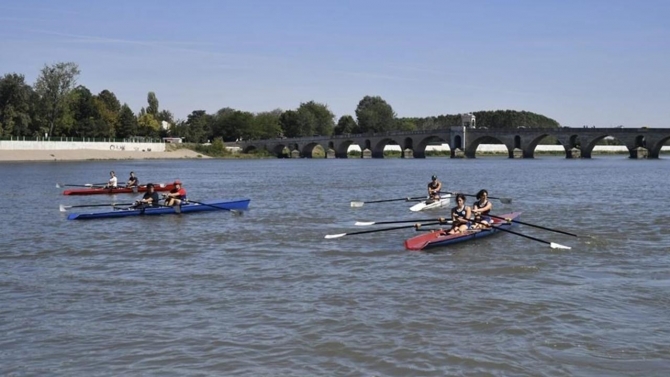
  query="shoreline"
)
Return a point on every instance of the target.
[{"x": 93, "y": 155}]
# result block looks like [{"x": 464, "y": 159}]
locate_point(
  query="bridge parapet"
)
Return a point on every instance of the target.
[{"x": 524, "y": 139}]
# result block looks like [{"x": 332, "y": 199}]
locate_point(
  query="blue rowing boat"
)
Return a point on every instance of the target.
[
  {"x": 212, "y": 205},
  {"x": 440, "y": 237}
]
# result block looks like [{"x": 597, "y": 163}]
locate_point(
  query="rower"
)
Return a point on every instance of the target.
[
  {"x": 113, "y": 181},
  {"x": 434, "y": 187},
  {"x": 460, "y": 216},
  {"x": 132, "y": 181},
  {"x": 150, "y": 198},
  {"x": 176, "y": 195},
  {"x": 481, "y": 209}
]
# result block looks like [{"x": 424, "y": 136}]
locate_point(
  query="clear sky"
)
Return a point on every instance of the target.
[{"x": 587, "y": 62}]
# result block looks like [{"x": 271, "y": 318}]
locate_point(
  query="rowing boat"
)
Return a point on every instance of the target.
[
  {"x": 118, "y": 190},
  {"x": 431, "y": 203},
  {"x": 212, "y": 205},
  {"x": 439, "y": 237}
]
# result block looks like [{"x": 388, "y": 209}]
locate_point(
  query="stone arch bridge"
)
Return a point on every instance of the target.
[{"x": 520, "y": 142}]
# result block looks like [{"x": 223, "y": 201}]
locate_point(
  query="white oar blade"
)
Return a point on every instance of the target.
[
  {"x": 58, "y": 185},
  {"x": 63, "y": 208},
  {"x": 364, "y": 223},
  {"x": 88, "y": 184},
  {"x": 329, "y": 236},
  {"x": 559, "y": 246},
  {"x": 357, "y": 204}
]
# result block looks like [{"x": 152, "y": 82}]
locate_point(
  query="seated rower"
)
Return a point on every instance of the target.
[
  {"x": 460, "y": 216},
  {"x": 150, "y": 198},
  {"x": 113, "y": 181},
  {"x": 132, "y": 181},
  {"x": 176, "y": 195},
  {"x": 434, "y": 187},
  {"x": 481, "y": 209}
]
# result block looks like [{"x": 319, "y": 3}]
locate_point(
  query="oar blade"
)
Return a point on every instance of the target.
[
  {"x": 364, "y": 223},
  {"x": 331, "y": 236},
  {"x": 555, "y": 245},
  {"x": 357, "y": 204},
  {"x": 58, "y": 185},
  {"x": 63, "y": 208},
  {"x": 506, "y": 200}
]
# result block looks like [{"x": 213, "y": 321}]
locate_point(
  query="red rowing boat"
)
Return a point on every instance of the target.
[
  {"x": 440, "y": 237},
  {"x": 118, "y": 190}
]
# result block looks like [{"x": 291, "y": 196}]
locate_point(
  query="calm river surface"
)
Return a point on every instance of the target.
[{"x": 264, "y": 294}]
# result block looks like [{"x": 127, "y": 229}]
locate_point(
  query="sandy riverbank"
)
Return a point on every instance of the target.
[{"x": 88, "y": 154}]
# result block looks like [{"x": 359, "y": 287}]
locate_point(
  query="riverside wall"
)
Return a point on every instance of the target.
[{"x": 8, "y": 145}]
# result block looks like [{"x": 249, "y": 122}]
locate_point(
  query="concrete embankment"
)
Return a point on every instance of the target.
[{"x": 46, "y": 150}]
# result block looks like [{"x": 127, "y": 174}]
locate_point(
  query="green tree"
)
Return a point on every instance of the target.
[
  {"x": 54, "y": 85},
  {"x": 315, "y": 119},
  {"x": 266, "y": 125},
  {"x": 147, "y": 125},
  {"x": 197, "y": 127},
  {"x": 85, "y": 111},
  {"x": 153, "y": 104},
  {"x": 231, "y": 125},
  {"x": 127, "y": 126},
  {"x": 109, "y": 109},
  {"x": 374, "y": 115},
  {"x": 346, "y": 125},
  {"x": 288, "y": 121},
  {"x": 110, "y": 101},
  {"x": 15, "y": 106},
  {"x": 405, "y": 125}
]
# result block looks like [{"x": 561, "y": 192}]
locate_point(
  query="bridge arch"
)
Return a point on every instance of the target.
[
  {"x": 655, "y": 149},
  {"x": 420, "y": 149},
  {"x": 307, "y": 150},
  {"x": 378, "y": 148},
  {"x": 471, "y": 148}
]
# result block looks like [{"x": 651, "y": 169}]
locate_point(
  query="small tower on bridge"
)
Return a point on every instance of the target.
[
  {"x": 468, "y": 121},
  {"x": 458, "y": 134}
]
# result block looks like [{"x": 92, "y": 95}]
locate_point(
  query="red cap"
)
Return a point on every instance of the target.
[{"x": 177, "y": 182}]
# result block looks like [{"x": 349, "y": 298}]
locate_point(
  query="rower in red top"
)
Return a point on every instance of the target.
[{"x": 176, "y": 195}]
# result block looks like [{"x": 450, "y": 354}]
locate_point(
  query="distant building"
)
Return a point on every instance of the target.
[{"x": 175, "y": 140}]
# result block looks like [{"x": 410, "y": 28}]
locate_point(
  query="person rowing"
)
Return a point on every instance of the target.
[
  {"x": 132, "y": 180},
  {"x": 113, "y": 181},
  {"x": 150, "y": 198},
  {"x": 176, "y": 195},
  {"x": 434, "y": 187},
  {"x": 480, "y": 209},
  {"x": 460, "y": 216}
]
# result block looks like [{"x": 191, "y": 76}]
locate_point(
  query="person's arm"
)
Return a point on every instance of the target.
[{"x": 439, "y": 187}]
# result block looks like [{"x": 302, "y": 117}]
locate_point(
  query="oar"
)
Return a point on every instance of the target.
[
  {"x": 553, "y": 245},
  {"x": 441, "y": 220},
  {"x": 416, "y": 226},
  {"x": 64, "y": 208},
  {"x": 533, "y": 225},
  {"x": 234, "y": 211},
  {"x": 361, "y": 203},
  {"x": 61, "y": 185},
  {"x": 502, "y": 200}
]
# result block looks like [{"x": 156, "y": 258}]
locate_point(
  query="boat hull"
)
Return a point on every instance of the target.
[
  {"x": 211, "y": 205},
  {"x": 440, "y": 238},
  {"x": 118, "y": 190},
  {"x": 426, "y": 205}
]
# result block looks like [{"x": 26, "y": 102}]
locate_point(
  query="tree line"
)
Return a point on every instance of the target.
[{"x": 57, "y": 106}]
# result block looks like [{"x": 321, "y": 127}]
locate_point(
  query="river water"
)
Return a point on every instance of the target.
[{"x": 264, "y": 294}]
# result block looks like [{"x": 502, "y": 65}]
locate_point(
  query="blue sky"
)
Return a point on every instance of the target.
[{"x": 590, "y": 62}]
